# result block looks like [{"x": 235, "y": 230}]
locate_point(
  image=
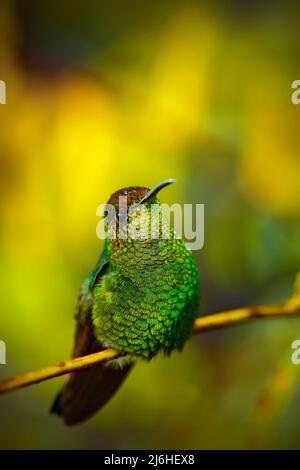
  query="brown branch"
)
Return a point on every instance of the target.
[{"x": 231, "y": 317}]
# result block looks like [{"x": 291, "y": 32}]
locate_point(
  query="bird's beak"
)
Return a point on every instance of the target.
[{"x": 154, "y": 191}]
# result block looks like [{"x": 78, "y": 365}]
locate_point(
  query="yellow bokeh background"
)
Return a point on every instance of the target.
[{"x": 104, "y": 97}]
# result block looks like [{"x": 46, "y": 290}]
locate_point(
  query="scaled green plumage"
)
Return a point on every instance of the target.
[
  {"x": 142, "y": 298},
  {"x": 147, "y": 300}
]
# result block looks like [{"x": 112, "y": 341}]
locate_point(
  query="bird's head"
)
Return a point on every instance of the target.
[{"x": 130, "y": 210}]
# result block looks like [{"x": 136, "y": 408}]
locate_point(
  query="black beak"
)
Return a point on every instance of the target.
[{"x": 154, "y": 191}]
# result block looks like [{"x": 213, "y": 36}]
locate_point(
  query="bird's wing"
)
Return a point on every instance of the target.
[
  {"x": 87, "y": 390},
  {"x": 84, "y": 334}
]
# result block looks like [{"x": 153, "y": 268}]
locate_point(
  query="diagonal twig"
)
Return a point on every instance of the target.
[{"x": 217, "y": 320}]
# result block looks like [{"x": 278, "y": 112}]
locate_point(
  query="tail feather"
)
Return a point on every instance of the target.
[
  {"x": 56, "y": 407},
  {"x": 86, "y": 391}
]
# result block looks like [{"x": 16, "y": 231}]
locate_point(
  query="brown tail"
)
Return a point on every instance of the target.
[{"x": 86, "y": 391}]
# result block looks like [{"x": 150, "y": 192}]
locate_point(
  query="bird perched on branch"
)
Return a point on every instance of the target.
[{"x": 141, "y": 298}]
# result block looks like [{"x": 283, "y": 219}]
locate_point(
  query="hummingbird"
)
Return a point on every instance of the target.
[{"x": 141, "y": 299}]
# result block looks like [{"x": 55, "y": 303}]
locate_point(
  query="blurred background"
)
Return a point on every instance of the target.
[{"x": 104, "y": 95}]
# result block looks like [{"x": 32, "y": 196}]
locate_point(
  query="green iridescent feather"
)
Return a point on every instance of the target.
[
  {"x": 147, "y": 299},
  {"x": 141, "y": 298}
]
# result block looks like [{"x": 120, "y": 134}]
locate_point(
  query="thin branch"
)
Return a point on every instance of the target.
[
  {"x": 240, "y": 315},
  {"x": 222, "y": 319},
  {"x": 61, "y": 368}
]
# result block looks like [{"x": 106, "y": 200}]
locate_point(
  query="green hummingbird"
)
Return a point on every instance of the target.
[{"x": 141, "y": 298}]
